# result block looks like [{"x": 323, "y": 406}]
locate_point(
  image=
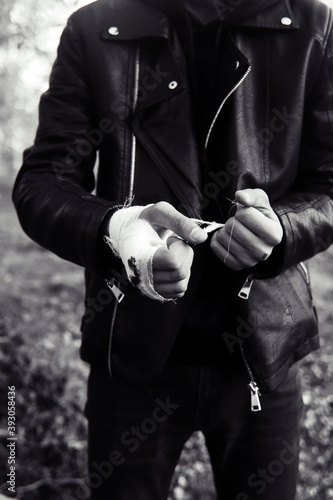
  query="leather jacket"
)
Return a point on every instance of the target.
[{"x": 119, "y": 87}]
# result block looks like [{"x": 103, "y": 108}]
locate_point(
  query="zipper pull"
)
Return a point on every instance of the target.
[
  {"x": 255, "y": 396},
  {"x": 119, "y": 295},
  {"x": 244, "y": 293}
]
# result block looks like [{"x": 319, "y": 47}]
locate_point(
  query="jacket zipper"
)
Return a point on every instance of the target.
[
  {"x": 246, "y": 289},
  {"x": 253, "y": 386},
  {"x": 111, "y": 284},
  {"x": 244, "y": 294},
  {"x": 223, "y": 103},
  {"x": 114, "y": 285},
  {"x": 135, "y": 102}
]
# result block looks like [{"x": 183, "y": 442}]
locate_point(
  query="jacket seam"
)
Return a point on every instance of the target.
[
  {"x": 324, "y": 198},
  {"x": 325, "y": 47}
]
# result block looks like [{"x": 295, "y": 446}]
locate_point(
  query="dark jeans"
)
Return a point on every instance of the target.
[{"x": 135, "y": 441}]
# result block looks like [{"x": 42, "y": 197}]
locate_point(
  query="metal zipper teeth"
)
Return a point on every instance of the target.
[
  {"x": 246, "y": 363},
  {"x": 135, "y": 102},
  {"x": 130, "y": 192},
  {"x": 223, "y": 103},
  {"x": 247, "y": 366},
  {"x": 253, "y": 386}
]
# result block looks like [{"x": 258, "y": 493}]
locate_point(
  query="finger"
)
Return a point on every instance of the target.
[
  {"x": 167, "y": 277},
  {"x": 253, "y": 198},
  {"x": 233, "y": 254},
  {"x": 182, "y": 253},
  {"x": 256, "y": 245},
  {"x": 163, "y": 260},
  {"x": 267, "y": 229},
  {"x": 164, "y": 214},
  {"x": 246, "y": 256},
  {"x": 177, "y": 259},
  {"x": 226, "y": 256},
  {"x": 258, "y": 199},
  {"x": 172, "y": 290}
]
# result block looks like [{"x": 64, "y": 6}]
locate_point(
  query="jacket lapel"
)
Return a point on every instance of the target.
[
  {"x": 162, "y": 123},
  {"x": 162, "y": 118}
]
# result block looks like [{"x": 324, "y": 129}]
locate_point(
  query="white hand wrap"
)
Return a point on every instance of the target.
[{"x": 135, "y": 241}]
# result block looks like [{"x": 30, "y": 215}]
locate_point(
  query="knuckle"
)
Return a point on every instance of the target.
[
  {"x": 177, "y": 290},
  {"x": 246, "y": 215},
  {"x": 181, "y": 224},
  {"x": 181, "y": 274},
  {"x": 176, "y": 266},
  {"x": 220, "y": 237},
  {"x": 274, "y": 239},
  {"x": 228, "y": 225},
  {"x": 218, "y": 247},
  {"x": 260, "y": 193},
  {"x": 181, "y": 286},
  {"x": 162, "y": 206}
]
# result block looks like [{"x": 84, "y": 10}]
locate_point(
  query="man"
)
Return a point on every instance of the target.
[{"x": 200, "y": 111}]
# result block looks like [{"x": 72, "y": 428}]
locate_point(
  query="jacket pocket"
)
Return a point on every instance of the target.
[{"x": 283, "y": 322}]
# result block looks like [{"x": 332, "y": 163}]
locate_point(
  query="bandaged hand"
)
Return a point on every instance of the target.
[
  {"x": 250, "y": 236},
  {"x": 153, "y": 244}
]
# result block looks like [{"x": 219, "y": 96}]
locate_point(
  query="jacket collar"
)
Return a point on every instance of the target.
[
  {"x": 134, "y": 20},
  {"x": 276, "y": 14},
  {"x": 130, "y": 20}
]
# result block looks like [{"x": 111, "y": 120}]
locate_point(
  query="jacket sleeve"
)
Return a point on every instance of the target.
[
  {"x": 52, "y": 192},
  {"x": 306, "y": 214}
]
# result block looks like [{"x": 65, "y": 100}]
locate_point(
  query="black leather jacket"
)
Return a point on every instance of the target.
[{"x": 119, "y": 86}]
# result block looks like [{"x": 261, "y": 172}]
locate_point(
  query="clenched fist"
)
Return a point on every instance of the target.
[
  {"x": 251, "y": 235},
  {"x": 172, "y": 265}
]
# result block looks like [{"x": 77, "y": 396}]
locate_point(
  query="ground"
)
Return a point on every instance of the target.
[{"x": 40, "y": 309}]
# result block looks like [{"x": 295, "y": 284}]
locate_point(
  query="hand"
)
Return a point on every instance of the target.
[
  {"x": 251, "y": 235},
  {"x": 172, "y": 265}
]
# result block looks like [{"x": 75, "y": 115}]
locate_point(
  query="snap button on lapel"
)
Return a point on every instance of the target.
[
  {"x": 114, "y": 31},
  {"x": 173, "y": 85},
  {"x": 286, "y": 21}
]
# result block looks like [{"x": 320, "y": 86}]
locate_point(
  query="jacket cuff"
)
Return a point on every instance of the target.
[
  {"x": 276, "y": 263},
  {"x": 105, "y": 262}
]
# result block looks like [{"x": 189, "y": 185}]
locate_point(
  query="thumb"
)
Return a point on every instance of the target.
[
  {"x": 165, "y": 215},
  {"x": 181, "y": 252},
  {"x": 256, "y": 198}
]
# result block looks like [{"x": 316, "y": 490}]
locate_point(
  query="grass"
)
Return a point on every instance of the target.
[{"x": 40, "y": 308}]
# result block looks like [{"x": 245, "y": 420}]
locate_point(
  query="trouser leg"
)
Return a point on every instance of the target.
[
  {"x": 135, "y": 440},
  {"x": 255, "y": 455}
]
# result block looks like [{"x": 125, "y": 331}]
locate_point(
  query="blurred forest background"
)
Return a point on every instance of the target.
[{"x": 41, "y": 303}]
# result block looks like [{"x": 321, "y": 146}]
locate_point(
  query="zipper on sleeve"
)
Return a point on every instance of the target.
[{"x": 253, "y": 386}]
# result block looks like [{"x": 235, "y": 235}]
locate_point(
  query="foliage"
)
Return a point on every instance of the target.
[
  {"x": 29, "y": 35},
  {"x": 41, "y": 304}
]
